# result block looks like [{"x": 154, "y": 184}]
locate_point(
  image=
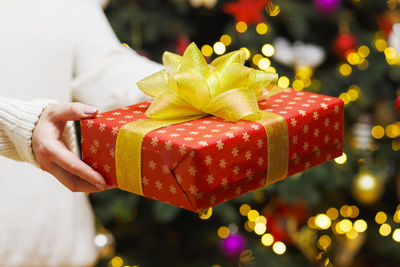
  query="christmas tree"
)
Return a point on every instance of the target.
[{"x": 342, "y": 213}]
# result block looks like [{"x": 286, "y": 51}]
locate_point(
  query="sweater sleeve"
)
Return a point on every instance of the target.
[
  {"x": 106, "y": 72},
  {"x": 17, "y": 121}
]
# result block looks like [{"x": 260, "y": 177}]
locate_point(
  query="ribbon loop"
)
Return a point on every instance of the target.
[{"x": 206, "y": 89}]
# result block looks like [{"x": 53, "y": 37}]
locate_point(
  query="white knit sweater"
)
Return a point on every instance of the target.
[{"x": 53, "y": 50}]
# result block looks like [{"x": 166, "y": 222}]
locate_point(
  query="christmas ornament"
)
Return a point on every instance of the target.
[
  {"x": 361, "y": 134},
  {"x": 105, "y": 243},
  {"x": 326, "y": 6},
  {"x": 298, "y": 54},
  {"x": 233, "y": 245},
  {"x": 343, "y": 44},
  {"x": 248, "y": 11},
  {"x": 206, "y": 3},
  {"x": 367, "y": 187},
  {"x": 284, "y": 219},
  {"x": 304, "y": 58},
  {"x": 398, "y": 103},
  {"x": 387, "y": 20}
]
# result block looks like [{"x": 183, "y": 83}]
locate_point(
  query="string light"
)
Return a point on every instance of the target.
[
  {"x": 392, "y": 131},
  {"x": 324, "y": 242},
  {"x": 268, "y": 50},
  {"x": 332, "y": 213},
  {"x": 385, "y": 229},
  {"x": 345, "y": 225},
  {"x": 298, "y": 85},
  {"x": 219, "y": 48},
  {"x": 354, "y": 211},
  {"x": 226, "y": 39},
  {"x": 360, "y": 225},
  {"x": 363, "y": 51},
  {"x": 223, "y": 232},
  {"x": 260, "y": 228},
  {"x": 353, "y": 58},
  {"x": 264, "y": 63},
  {"x": 244, "y": 209},
  {"x": 261, "y": 28},
  {"x": 396, "y": 216},
  {"x": 267, "y": 239},
  {"x": 261, "y": 219},
  {"x": 311, "y": 223},
  {"x": 279, "y": 248},
  {"x": 322, "y": 221},
  {"x": 354, "y": 92},
  {"x": 345, "y": 97},
  {"x": 342, "y": 159},
  {"x": 257, "y": 58},
  {"x": 345, "y": 69},
  {"x": 206, "y": 50},
  {"x": 241, "y": 26},
  {"x": 116, "y": 261},
  {"x": 377, "y": 132},
  {"x": 396, "y": 235},
  {"x": 380, "y": 217},
  {"x": 283, "y": 82},
  {"x": 252, "y": 215},
  {"x": 380, "y": 45}
]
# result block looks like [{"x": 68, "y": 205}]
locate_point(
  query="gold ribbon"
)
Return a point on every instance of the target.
[{"x": 188, "y": 89}]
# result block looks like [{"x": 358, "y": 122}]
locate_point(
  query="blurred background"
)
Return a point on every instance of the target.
[{"x": 342, "y": 213}]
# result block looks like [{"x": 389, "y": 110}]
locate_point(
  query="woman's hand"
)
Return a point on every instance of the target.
[{"x": 52, "y": 154}]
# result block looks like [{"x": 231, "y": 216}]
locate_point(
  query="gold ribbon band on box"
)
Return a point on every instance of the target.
[{"x": 188, "y": 89}]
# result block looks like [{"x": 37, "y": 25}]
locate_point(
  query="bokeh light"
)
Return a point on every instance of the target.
[
  {"x": 385, "y": 229},
  {"x": 219, "y": 48},
  {"x": 283, "y": 82},
  {"x": 267, "y": 239},
  {"x": 223, "y": 232},
  {"x": 241, "y": 26},
  {"x": 206, "y": 50},
  {"x": 268, "y": 50},
  {"x": 322, "y": 221},
  {"x": 342, "y": 159},
  {"x": 279, "y": 248},
  {"x": 380, "y": 217},
  {"x": 262, "y": 28},
  {"x": 360, "y": 225},
  {"x": 244, "y": 209}
]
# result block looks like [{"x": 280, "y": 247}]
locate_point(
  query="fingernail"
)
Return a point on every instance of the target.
[
  {"x": 90, "y": 110},
  {"x": 99, "y": 186}
]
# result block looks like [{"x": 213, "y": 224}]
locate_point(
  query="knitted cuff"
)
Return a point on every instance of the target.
[{"x": 21, "y": 133}]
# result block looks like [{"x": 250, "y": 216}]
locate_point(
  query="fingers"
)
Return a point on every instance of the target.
[
  {"x": 72, "y": 182},
  {"x": 67, "y": 160},
  {"x": 70, "y": 112}
]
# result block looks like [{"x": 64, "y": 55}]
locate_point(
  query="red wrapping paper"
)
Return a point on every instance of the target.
[{"x": 201, "y": 163}]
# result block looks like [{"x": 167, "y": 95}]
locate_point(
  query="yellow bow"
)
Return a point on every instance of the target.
[{"x": 188, "y": 86}]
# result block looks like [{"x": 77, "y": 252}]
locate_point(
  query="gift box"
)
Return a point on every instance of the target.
[{"x": 200, "y": 161}]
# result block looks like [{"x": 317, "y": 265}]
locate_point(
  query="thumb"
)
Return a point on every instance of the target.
[{"x": 71, "y": 111}]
